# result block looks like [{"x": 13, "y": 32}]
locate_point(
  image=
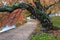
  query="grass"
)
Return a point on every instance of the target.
[
  {"x": 56, "y": 21},
  {"x": 46, "y": 36}
]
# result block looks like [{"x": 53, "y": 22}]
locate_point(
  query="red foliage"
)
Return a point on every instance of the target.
[{"x": 12, "y": 18}]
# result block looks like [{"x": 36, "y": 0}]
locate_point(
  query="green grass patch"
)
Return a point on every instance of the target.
[
  {"x": 56, "y": 21},
  {"x": 45, "y": 36}
]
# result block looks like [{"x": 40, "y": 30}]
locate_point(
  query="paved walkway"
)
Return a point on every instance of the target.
[{"x": 20, "y": 33}]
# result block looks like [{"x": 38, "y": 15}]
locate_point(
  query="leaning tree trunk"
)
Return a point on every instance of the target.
[{"x": 42, "y": 17}]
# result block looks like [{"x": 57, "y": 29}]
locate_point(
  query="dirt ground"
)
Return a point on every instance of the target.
[{"x": 20, "y": 33}]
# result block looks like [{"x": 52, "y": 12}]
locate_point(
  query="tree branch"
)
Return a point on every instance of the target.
[
  {"x": 38, "y": 5},
  {"x": 46, "y": 23},
  {"x": 52, "y": 5}
]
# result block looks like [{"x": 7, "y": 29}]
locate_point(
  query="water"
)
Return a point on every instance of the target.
[{"x": 6, "y": 28}]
